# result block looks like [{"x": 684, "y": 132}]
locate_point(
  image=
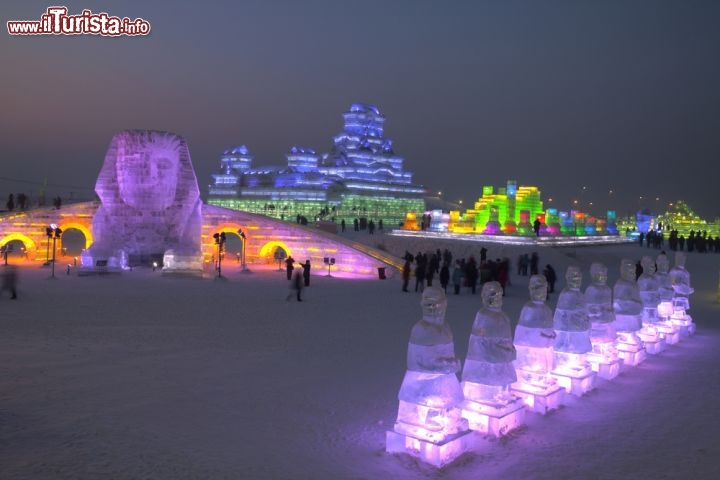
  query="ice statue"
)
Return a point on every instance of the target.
[
  {"x": 430, "y": 396},
  {"x": 628, "y": 315},
  {"x": 534, "y": 341},
  {"x": 680, "y": 281},
  {"x": 572, "y": 325},
  {"x": 649, "y": 290},
  {"x": 665, "y": 325},
  {"x": 598, "y": 299},
  {"x": 489, "y": 405},
  {"x": 650, "y": 297},
  {"x": 150, "y": 203}
]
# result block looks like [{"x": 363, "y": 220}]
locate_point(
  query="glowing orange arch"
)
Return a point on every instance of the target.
[{"x": 67, "y": 225}]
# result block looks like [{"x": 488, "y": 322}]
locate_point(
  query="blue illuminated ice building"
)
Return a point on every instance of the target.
[{"x": 360, "y": 178}]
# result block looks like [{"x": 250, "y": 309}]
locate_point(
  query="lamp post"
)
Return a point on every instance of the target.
[
  {"x": 49, "y": 233},
  {"x": 220, "y": 242},
  {"x": 243, "y": 239},
  {"x": 54, "y": 232},
  {"x": 329, "y": 262}
]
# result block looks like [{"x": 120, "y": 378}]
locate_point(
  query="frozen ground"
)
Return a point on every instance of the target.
[{"x": 140, "y": 376}]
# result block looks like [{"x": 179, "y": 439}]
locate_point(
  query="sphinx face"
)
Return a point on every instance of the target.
[{"x": 147, "y": 175}]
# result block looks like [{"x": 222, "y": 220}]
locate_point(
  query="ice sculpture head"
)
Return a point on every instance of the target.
[
  {"x": 627, "y": 270},
  {"x": 598, "y": 273},
  {"x": 680, "y": 259},
  {"x": 538, "y": 288},
  {"x": 147, "y": 169},
  {"x": 492, "y": 295},
  {"x": 648, "y": 265},
  {"x": 573, "y": 277},
  {"x": 662, "y": 263},
  {"x": 150, "y": 200},
  {"x": 434, "y": 304}
]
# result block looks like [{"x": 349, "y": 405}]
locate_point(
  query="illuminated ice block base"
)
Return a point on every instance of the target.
[
  {"x": 684, "y": 322},
  {"x": 498, "y": 415},
  {"x": 538, "y": 398},
  {"x": 630, "y": 349},
  {"x": 604, "y": 359},
  {"x": 577, "y": 379},
  {"x": 436, "y": 454},
  {"x": 605, "y": 368},
  {"x": 177, "y": 264},
  {"x": 652, "y": 341},
  {"x": 668, "y": 332}
]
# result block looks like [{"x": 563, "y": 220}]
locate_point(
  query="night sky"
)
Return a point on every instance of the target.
[{"x": 620, "y": 96}]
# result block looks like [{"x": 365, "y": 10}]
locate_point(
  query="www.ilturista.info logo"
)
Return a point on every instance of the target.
[{"x": 57, "y": 22}]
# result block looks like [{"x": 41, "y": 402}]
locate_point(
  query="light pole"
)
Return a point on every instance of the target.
[
  {"x": 329, "y": 262},
  {"x": 243, "y": 239},
  {"x": 54, "y": 232},
  {"x": 49, "y": 233},
  {"x": 220, "y": 242}
]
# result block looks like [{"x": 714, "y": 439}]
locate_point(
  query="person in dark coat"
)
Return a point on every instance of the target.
[
  {"x": 551, "y": 277},
  {"x": 289, "y": 266},
  {"x": 457, "y": 277},
  {"x": 9, "y": 280},
  {"x": 296, "y": 285},
  {"x": 444, "y": 276},
  {"x": 406, "y": 275},
  {"x": 419, "y": 275},
  {"x": 306, "y": 272}
]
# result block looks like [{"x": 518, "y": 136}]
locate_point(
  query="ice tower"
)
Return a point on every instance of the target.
[
  {"x": 627, "y": 306},
  {"x": 150, "y": 204},
  {"x": 650, "y": 297},
  {"x": 489, "y": 405},
  {"x": 429, "y": 423},
  {"x": 572, "y": 326},
  {"x": 534, "y": 342},
  {"x": 604, "y": 357}
]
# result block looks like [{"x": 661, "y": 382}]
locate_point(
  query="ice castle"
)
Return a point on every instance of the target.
[{"x": 360, "y": 178}]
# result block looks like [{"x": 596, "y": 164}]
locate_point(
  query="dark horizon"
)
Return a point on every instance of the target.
[{"x": 610, "y": 96}]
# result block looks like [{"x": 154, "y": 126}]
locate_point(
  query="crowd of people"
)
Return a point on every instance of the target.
[
  {"x": 695, "y": 242},
  {"x": 464, "y": 273}
]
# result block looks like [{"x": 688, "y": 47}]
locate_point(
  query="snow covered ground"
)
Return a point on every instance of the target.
[{"x": 141, "y": 376}]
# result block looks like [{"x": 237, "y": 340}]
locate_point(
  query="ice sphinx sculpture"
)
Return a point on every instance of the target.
[
  {"x": 628, "y": 315},
  {"x": 490, "y": 407},
  {"x": 534, "y": 341},
  {"x": 150, "y": 204},
  {"x": 604, "y": 357},
  {"x": 666, "y": 327},
  {"x": 429, "y": 424},
  {"x": 649, "y": 295},
  {"x": 680, "y": 280},
  {"x": 572, "y": 326}
]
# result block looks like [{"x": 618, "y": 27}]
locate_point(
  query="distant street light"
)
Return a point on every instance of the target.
[
  {"x": 54, "y": 232},
  {"x": 220, "y": 242},
  {"x": 243, "y": 239}
]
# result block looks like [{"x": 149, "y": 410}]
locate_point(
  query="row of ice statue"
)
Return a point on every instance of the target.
[{"x": 591, "y": 334}]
